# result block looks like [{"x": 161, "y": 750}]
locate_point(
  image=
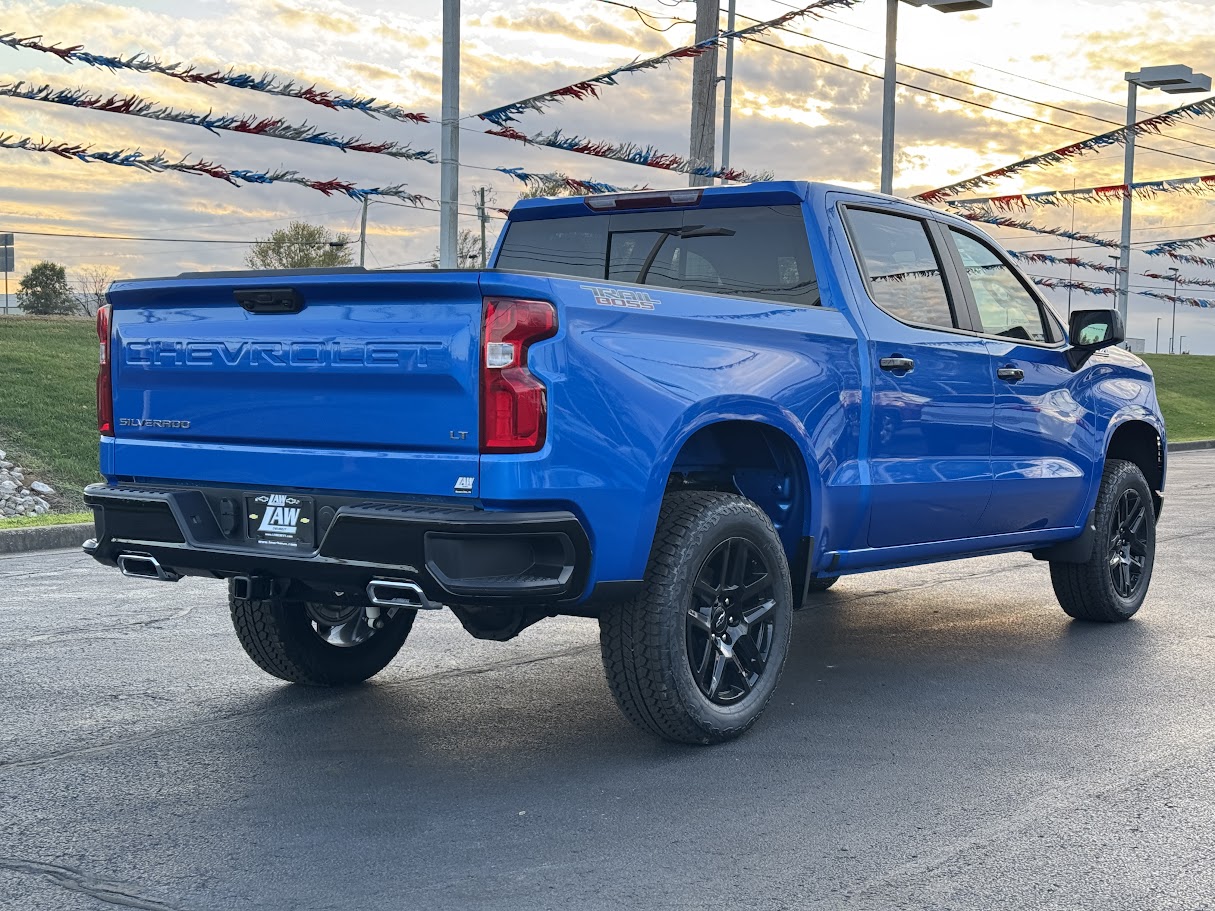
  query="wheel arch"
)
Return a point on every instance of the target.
[
  {"x": 1142, "y": 443},
  {"x": 759, "y": 453}
]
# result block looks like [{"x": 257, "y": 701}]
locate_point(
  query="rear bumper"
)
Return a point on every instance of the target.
[{"x": 456, "y": 555}]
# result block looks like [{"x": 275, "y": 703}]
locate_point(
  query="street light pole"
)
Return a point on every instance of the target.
[
  {"x": 363, "y": 235},
  {"x": 1173, "y": 334},
  {"x": 727, "y": 102},
  {"x": 888, "y": 91},
  {"x": 890, "y": 77},
  {"x": 1172, "y": 80},
  {"x": 449, "y": 154},
  {"x": 1158, "y": 319}
]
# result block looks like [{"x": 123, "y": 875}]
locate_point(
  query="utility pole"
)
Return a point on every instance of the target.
[
  {"x": 363, "y": 235},
  {"x": 449, "y": 178},
  {"x": 704, "y": 93},
  {"x": 727, "y": 103},
  {"x": 6, "y": 259},
  {"x": 483, "y": 216}
]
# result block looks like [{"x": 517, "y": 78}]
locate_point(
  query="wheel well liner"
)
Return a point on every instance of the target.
[
  {"x": 757, "y": 461},
  {"x": 1139, "y": 442}
]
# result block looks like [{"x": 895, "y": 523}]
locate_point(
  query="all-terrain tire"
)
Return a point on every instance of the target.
[
  {"x": 1090, "y": 591},
  {"x": 278, "y": 635},
  {"x": 646, "y": 641}
]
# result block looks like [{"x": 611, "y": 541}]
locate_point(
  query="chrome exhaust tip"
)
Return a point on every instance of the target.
[
  {"x": 394, "y": 593},
  {"x": 145, "y": 566}
]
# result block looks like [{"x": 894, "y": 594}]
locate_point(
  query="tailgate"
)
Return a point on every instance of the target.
[{"x": 337, "y": 368}]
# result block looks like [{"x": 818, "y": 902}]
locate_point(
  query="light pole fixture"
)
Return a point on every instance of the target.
[
  {"x": 1172, "y": 80},
  {"x": 891, "y": 77},
  {"x": 1174, "y": 272}
]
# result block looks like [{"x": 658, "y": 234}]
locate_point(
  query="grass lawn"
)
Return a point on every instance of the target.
[
  {"x": 48, "y": 423},
  {"x": 47, "y": 399},
  {"x": 1185, "y": 386},
  {"x": 56, "y": 519}
]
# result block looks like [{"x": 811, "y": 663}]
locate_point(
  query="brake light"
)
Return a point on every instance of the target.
[
  {"x": 514, "y": 404},
  {"x": 105, "y": 387},
  {"x": 645, "y": 199}
]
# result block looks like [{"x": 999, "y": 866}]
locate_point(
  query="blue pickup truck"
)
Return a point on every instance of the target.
[{"x": 679, "y": 412}]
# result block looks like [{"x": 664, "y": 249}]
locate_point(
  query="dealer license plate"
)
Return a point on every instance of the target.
[{"x": 280, "y": 518}]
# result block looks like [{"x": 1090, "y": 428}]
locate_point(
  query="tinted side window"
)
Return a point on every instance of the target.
[
  {"x": 1005, "y": 306},
  {"x": 756, "y": 251},
  {"x": 904, "y": 273},
  {"x": 561, "y": 246}
]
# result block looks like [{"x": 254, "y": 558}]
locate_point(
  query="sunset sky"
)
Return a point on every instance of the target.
[{"x": 795, "y": 117}]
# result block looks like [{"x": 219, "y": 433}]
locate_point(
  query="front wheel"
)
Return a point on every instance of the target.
[
  {"x": 697, "y": 655},
  {"x": 1111, "y": 586},
  {"x": 317, "y": 644}
]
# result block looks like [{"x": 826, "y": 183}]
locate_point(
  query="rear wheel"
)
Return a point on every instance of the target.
[
  {"x": 1111, "y": 586},
  {"x": 318, "y": 644},
  {"x": 696, "y": 656}
]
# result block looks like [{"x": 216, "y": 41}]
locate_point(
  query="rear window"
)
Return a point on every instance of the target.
[{"x": 758, "y": 251}]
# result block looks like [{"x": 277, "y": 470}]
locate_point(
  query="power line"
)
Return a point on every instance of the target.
[{"x": 984, "y": 66}]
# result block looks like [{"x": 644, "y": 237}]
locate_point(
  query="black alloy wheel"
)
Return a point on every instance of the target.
[
  {"x": 731, "y": 622},
  {"x": 1128, "y": 544}
]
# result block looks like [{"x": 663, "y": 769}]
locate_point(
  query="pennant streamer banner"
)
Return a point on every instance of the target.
[
  {"x": 1102, "y": 291},
  {"x": 1003, "y": 221},
  {"x": 589, "y": 88},
  {"x": 159, "y": 164},
  {"x": 1188, "y": 243},
  {"x": 1205, "y": 303},
  {"x": 1047, "y": 260},
  {"x": 627, "y": 152},
  {"x": 195, "y": 75},
  {"x": 1204, "y": 108},
  {"x": 1196, "y": 282},
  {"x": 275, "y": 128},
  {"x": 1195, "y": 186},
  {"x": 1066, "y": 285},
  {"x": 562, "y": 181}
]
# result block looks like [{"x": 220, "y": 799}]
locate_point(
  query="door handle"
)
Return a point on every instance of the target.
[
  {"x": 897, "y": 364},
  {"x": 1011, "y": 374}
]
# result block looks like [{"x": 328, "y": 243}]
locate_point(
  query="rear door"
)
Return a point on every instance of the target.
[
  {"x": 932, "y": 394},
  {"x": 1039, "y": 467}
]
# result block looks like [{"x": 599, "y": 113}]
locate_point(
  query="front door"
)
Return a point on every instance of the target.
[
  {"x": 932, "y": 400},
  {"x": 1040, "y": 476}
]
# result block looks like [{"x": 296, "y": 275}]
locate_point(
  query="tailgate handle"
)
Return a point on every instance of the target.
[{"x": 270, "y": 300}]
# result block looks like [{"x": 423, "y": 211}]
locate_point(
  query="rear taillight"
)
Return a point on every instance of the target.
[
  {"x": 514, "y": 404},
  {"x": 105, "y": 387}
]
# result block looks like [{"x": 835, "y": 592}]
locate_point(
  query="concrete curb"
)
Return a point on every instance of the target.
[
  {"x": 1192, "y": 446},
  {"x": 44, "y": 537}
]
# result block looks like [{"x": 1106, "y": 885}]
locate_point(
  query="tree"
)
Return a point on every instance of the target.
[
  {"x": 468, "y": 251},
  {"x": 94, "y": 281},
  {"x": 301, "y": 246},
  {"x": 44, "y": 291}
]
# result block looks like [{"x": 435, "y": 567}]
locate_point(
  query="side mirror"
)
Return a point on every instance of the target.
[{"x": 1091, "y": 330}]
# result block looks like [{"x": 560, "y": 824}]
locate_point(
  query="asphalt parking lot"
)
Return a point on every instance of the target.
[{"x": 944, "y": 737}]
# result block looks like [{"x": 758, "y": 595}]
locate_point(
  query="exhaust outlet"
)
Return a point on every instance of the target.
[
  {"x": 394, "y": 593},
  {"x": 145, "y": 566}
]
